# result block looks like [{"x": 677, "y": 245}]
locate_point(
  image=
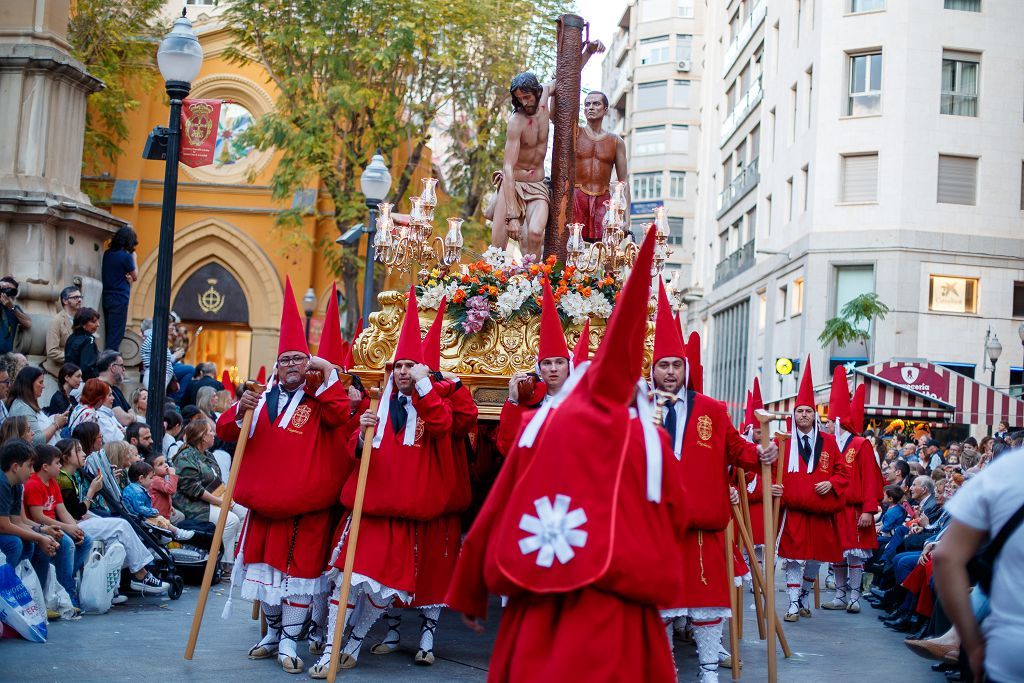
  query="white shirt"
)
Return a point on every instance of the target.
[
  {"x": 986, "y": 502},
  {"x": 681, "y": 408}
]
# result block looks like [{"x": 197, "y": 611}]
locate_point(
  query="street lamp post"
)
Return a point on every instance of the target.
[
  {"x": 309, "y": 305},
  {"x": 993, "y": 348},
  {"x": 1020, "y": 333},
  {"x": 375, "y": 183},
  {"x": 179, "y": 57}
]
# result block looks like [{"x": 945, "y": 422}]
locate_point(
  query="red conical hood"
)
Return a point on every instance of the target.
[
  {"x": 839, "y": 397},
  {"x": 581, "y": 352},
  {"x": 409, "y": 345},
  {"x": 261, "y": 376},
  {"x": 857, "y": 409},
  {"x": 332, "y": 348},
  {"x": 805, "y": 397},
  {"x": 225, "y": 379},
  {"x": 432, "y": 340},
  {"x": 359, "y": 330},
  {"x": 617, "y": 365},
  {"x": 293, "y": 333},
  {"x": 695, "y": 371},
  {"x": 755, "y": 396},
  {"x": 748, "y": 413},
  {"x": 552, "y": 338},
  {"x": 668, "y": 342}
]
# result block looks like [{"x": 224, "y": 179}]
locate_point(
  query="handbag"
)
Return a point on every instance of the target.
[{"x": 981, "y": 567}]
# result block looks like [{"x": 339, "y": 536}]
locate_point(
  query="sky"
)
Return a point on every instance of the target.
[{"x": 603, "y": 16}]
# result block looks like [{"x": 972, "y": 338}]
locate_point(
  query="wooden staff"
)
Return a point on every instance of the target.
[
  {"x": 759, "y": 589},
  {"x": 353, "y": 539},
  {"x": 746, "y": 526},
  {"x": 255, "y": 610},
  {"x": 769, "y": 550},
  {"x": 734, "y": 636},
  {"x": 738, "y": 596},
  {"x": 222, "y": 519},
  {"x": 817, "y": 594}
]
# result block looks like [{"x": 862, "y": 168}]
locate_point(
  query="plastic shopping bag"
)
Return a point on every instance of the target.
[
  {"x": 57, "y": 599},
  {"x": 100, "y": 578},
  {"x": 27, "y": 574},
  {"x": 17, "y": 608}
]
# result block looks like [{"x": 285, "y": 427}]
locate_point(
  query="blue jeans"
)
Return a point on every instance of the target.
[
  {"x": 68, "y": 561},
  {"x": 115, "y": 320},
  {"x": 16, "y": 550},
  {"x": 894, "y": 545}
]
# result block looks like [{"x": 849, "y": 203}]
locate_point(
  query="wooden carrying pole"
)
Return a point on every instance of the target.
[
  {"x": 759, "y": 590},
  {"x": 746, "y": 529},
  {"x": 769, "y": 551},
  {"x": 218, "y": 533},
  {"x": 353, "y": 539},
  {"x": 734, "y": 635}
]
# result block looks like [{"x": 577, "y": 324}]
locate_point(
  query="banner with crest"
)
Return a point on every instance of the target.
[{"x": 199, "y": 120}]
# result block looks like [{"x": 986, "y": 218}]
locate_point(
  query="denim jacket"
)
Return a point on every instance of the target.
[
  {"x": 892, "y": 518},
  {"x": 136, "y": 500}
]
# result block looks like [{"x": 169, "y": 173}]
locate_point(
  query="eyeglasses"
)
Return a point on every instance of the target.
[
  {"x": 75, "y": 298},
  {"x": 291, "y": 360},
  {"x": 117, "y": 365},
  {"x": 5, "y": 381}
]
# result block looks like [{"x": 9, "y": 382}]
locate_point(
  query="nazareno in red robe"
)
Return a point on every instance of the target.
[
  {"x": 593, "y": 618},
  {"x": 405, "y": 485},
  {"x": 710, "y": 446},
  {"x": 289, "y": 480},
  {"x": 862, "y": 495},
  {"x": 807, "y": 529}
]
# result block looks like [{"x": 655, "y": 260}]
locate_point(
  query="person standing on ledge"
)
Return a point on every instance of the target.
[{"x": 597, "y": 153}]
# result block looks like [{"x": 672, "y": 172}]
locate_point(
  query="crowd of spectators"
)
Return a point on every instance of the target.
[
  {"x": 79, "y": 463},
  {"x": 942, "y": 501}
]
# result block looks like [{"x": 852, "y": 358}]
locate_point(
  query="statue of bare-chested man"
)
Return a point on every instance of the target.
[
  {"x": 597, "y": 153},
  {"x": 521, "y": 207}
]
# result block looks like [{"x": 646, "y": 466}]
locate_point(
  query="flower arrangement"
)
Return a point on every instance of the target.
[{"x": 497, "y": 288}]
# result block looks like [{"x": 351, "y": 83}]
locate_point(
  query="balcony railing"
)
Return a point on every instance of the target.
[
  {"x": 735, "y": 263},
  {"x": 739, "y": 187},
  {"x": 744, "y": 34},
  {"x": 741, "y": 111}
]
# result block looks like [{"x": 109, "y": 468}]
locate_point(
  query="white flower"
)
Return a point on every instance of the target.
[
  {"x": 600, "y": 306},
  {"x": 431, "y": 297},
  {"x": 555, "y": 530},
  {"x": 495, "y": 257},
  {"x": 511, "y": 300},
  {"x": 576, "y": 306}
]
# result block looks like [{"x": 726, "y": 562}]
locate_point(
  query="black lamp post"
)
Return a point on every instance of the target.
[
  {"x": 993, "y": 348},
  {"x": 179, "y": 57},
  {"x": 375, "y": 183},
  {"x": 308, "y": 306}
]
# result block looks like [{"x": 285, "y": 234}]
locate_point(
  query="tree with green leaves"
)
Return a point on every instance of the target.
[
  {"x": 354, "y": 77},
  {"x": 116, "y": 42},
  {"x": 853, "y": 324}
]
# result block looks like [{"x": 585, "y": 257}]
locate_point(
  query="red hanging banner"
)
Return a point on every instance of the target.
[{"x": 199, "y": 119}]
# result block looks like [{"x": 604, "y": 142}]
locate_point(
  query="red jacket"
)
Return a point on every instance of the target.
[
  {"x": 798, "y": 487},
  {"x": 865, "y": 488},
  {"x": 464, "y": 422}
]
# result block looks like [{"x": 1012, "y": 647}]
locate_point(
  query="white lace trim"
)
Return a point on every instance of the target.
[
  {"x": 379, "y": 591},
  {"x": 698, "y": 613},
  {"x": 857, "y": 554},
  {"x": 263, "y": 582}
]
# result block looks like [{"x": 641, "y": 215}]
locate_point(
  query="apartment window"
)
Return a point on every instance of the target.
[
  {"x": 792, "y": 113},
  {"x": 865, "y": 84},
  {"x": 762, "y": 309},
  {"x": 656, "y": 9},
  {"x": 810, "y": 94},
  {"x": 959, "y": 83},
  {"x": 755, "y": 143},
  {"x": 677, "y": 185},
  {"x": 723, "y": 243},
  {"x": 782, "y": 304},
  {"x": 798, "y": 19},
  {"x": 859, "y": 178},
  {"x": 681, "y": 94},
  {"x": 805, "y": 184},
  {"x": 768, "y": 211},
  {"x": 679, "y": 138},
  {"x": 775, "y": 45},
  {"x": 963, "y": 5},
  {"x": 797, "y": 297},
  {"x": 650, "y": 140},
  {"x": 851, "y": 282},
  {"x": 953, "y": 294},
  {"x": 655, "y": 50},
  {"x": 858, "y": 6},
  {"x": 652, "y": 95},
  {"x": 1022, "y": 186},
  {"x": 958, "y": 180},
  {"x": 789, "y": 200},
  {"x": 646, "y": 186},
  {"x": 686, "y": 8},
  {"x": 675, "y": 230},
  {"x": 684, "y": 47},
  {"x": 751, "y": 225},
  {"x": 771, "y": 131}
]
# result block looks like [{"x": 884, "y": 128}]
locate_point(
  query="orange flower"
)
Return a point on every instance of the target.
[
  {"x": 492, "y": 290},
  {"x": 465, "y": 279},
  {"x": 475, "y": 280},
  {"x": 585, "y": 292},
  {"x": 534, "y": 269},
  {"x": 562, "y": 289},
  {"x": 550, "y": 260},
  {"x": 546, "y": 269},
  {"x": 459, "y": 296},
  {"x": 498, "y": 274},
  {"x": 607, "y": 280}
]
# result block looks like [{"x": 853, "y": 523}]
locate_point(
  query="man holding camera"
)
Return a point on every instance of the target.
[{"x": 12, "y": 318}]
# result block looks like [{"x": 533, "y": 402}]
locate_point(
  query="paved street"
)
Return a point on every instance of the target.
[{"x": 145, "y": 638}]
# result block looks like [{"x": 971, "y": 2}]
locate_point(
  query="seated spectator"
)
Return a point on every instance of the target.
[
  {"x": 969, "y": 457},
  {"x": 1001, "y": 432},
  {"x": 163, "y": 487},
  {"x": 139, "y": 402},
  {"x": 95, "y": 405},
  {"x": 111, "y": 368},
  {"x": 207, "y": 377},
  {"x": 899, "y": 474},
  {"x": 13, "y": 320},
  {"x": 894, "y": 514},
  {"x": 24, "y": 400},
  {"x": 45, "y": 505},
  {"x": 80, "y": 495},
  {"x": 68, "y": 380},
  {"x": 119, "y": 271},
  {"x": 138, "y": 502},
  {"x": 205, "y": 402},
  {"x": 5, "y": 390},
  {"x": 19, "y": 538},
  {"x": 139, "y": 435},
  {"x": 60, "y": 329},
  {"x": 96, "y": 462},
  {"x": 119, "y": 455},
  {"x": 15, "y": 427},
  {"x": 173, "y": 426},
  {"x": 200, "y": 484},
  {"x": 80, "y": 348}
]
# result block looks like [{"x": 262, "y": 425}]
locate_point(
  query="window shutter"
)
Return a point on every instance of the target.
[
  {"x": 860, "y": 178},
  {"x": 958, "y": 180}
]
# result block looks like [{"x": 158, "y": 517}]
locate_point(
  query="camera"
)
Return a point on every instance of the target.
[{"x": 9, "y": 289}]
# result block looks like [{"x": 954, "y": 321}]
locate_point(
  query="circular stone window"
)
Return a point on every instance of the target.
[{"x": 234, "y": 121}]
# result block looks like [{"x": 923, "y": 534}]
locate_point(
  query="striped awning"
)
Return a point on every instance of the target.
[{"x": 922, "y": 391}]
